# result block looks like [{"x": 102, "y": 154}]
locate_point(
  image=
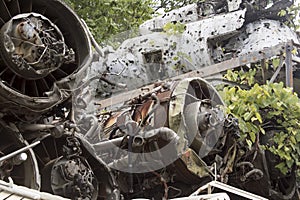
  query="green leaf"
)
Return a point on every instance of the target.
[
  {"x": 231, "y": 107},
  {"x": 282, "y": 167},
  {"x": 289, "y": 163},
  {"x": 293, "y": 140},
  {"x": 262, "y": 130},
  {"x": 249, "y": 143},
  {"x": 258, "y": 116},
  {"x": 282, "y": 13},
  {"x": 247, "y": 116},
  {"x": 294, "y": 51},
  {"x": 275, "y": 62},
  {"x": 252, "y": 136},
  {"x": 298, "y": 137},
  {"x": 253, "y": 119}
]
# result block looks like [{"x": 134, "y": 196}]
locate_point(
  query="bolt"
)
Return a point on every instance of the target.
[{"x": 17, "y": 160}]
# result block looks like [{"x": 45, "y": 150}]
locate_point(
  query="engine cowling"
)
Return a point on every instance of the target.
[{"x": 43, "y": 47}]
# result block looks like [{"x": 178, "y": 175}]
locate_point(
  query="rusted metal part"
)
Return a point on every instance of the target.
[
  {"x": 195, "y": 164},
  {"x": 141, "y": 111}
]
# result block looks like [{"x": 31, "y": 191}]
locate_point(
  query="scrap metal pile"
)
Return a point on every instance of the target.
[{"x": 65, "y": 133}]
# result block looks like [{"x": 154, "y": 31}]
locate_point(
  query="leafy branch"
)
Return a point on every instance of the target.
[{"x": 265, "y": 107}]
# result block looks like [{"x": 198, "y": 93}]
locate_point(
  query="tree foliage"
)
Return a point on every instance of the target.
[
  {"x": 106, "y": 18},
  {"x": 292, "y": 15}
]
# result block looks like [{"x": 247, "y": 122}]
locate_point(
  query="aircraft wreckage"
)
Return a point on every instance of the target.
[{"x": 139, "y": 122}]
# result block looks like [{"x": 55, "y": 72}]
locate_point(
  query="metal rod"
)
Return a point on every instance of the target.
[
  {"x": 216, "y": 175},
  {"x": 94, "y": 42},
  {"x": 131, "y": 133},
  {"x": 19, "y": 151},
  {"x": 130, "y": 164},
  {"x": 288, "y": 66},
  {"x": 263, "y": 70},
  {"x": 108, "y": 144},
  {"x": 277, "y": 70},
  {"x": 36, "y": 127}
]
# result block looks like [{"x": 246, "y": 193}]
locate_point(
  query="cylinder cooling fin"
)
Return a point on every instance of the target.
[{"x": 43, "y": 46}]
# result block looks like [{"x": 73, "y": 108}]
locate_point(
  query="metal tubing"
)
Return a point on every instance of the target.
[
  {"x": 138, "y": 141},
  {"x": 108, "y": 144},
  {"x": 93, "y": 127},
  {"x": 163, "y": 133},
  {"x": 19, "y": 151},
  {"x": 252, "y": 172},
  {"x": 94, "y": 42},
  {"x": 37, "y": 127}
]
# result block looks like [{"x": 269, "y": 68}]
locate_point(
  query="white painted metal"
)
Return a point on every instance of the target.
[
  {"x": 228, "y": 188},
  {"x": 11, "y": 191}
]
